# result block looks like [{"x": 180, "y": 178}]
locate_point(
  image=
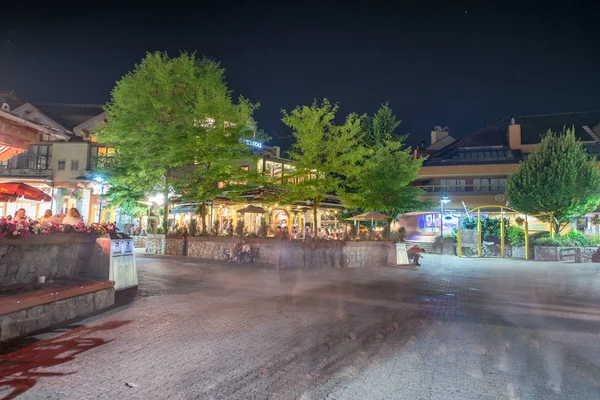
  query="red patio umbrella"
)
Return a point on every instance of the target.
[{"x": 20, "y": 189}]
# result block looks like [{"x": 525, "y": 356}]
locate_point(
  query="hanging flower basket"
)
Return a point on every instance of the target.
[
  {"x": 520, "y": 221},
  {"x": 595, "y": 220}
]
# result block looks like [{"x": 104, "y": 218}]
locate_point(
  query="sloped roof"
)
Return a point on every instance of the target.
[
  {"x": 474, "y": 148},
  {"x": 70, "y": 115},
  {"x": 534, "y": 126}
]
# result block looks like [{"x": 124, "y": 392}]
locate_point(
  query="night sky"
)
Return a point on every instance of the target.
[{"x": 438, "y": 63}]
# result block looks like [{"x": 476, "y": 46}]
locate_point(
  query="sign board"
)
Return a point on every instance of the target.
[
  {"x": 252, "y": 143},
  {"x": 401, "y": 254}
]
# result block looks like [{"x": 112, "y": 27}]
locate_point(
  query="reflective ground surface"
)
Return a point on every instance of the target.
[{"x": 453, "y": 329}]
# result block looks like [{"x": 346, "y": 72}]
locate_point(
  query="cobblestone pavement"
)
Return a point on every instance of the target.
[{"x": 453, "y": 329}]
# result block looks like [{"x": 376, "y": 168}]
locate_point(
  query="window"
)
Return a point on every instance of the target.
[
  {"x": 62, "y": 164},
  {"x": 453, "y": 185},
  {"x": 74, "y": 165},
  {"x": 489, "y": 185}
]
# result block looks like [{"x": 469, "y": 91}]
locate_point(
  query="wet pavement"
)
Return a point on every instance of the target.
[{"x": 453, "y": 329}]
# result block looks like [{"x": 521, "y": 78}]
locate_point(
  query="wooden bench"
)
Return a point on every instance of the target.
[{"x": 65, "y": 290}]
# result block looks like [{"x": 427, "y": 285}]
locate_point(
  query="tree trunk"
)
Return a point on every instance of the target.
[
  {"x": 315, "y": 210},
  {"x": 203, "y": 217},
  {"x": 166, "y": 207}
]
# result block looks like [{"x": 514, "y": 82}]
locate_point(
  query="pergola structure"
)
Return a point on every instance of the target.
[{"x": 503, "y": 210}]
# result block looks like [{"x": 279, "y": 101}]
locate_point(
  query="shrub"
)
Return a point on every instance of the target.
[
  {"x": 263, "y": 230},
  {"x": 558, "y": 241},
  {"x": 577, "y": 238},
  {"x": 594, "y": 240},
  {"x": 490, "y": 227},
  {"x": 193, "y": 227},
  {"x": 534, "y": 237},
  {"x": 353, "y": 232},
  {"x": 515, "y": 236},
  {"x": 240, "y": 228},
  {"x": 399, "y": 235}
]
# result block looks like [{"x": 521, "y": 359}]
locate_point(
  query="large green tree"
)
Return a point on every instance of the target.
[
  {"x": 174, "y": 128},
  {"x": 557, "y": 182},
  {"x": 324, "y": 152},
  {"x": 388, "y": 168}
]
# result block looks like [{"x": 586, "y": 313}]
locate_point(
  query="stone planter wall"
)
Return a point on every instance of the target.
[
  {"x": 154, "y": 244},
  {"x": 52, "y": 256},
  {"x": 296, "y": 254},
  {"x": 173, "y": 245},
  {"x": 23, "y": 322},
  {"x": 551, "y": 253}
]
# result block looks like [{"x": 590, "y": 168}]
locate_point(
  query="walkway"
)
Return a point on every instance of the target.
[{"x": 454, "y": 329}]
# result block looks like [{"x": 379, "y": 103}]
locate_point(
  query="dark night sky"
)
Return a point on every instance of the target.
[{"x": 438, "y": 63}]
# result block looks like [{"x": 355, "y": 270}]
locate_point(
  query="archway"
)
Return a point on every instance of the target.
[
  {"x": 279, "y": 217},
  {"x": 503, "y": 210}
]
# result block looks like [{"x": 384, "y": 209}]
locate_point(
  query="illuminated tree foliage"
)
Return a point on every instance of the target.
[
  {"x": 558, "y": 181},
  {"x": 174, "y": 127},
  {"x": 324, "y": 152}
]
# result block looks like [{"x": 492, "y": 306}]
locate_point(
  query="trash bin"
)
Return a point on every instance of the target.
[{"x": 114, "y": 260}]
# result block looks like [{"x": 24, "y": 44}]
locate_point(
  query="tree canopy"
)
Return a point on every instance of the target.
[
  {"x": 173, "y": 125},
  {"x": 388, "y": 167},
  {"x": 557, "y": 182},
  {"x": 324, "y": 152}
]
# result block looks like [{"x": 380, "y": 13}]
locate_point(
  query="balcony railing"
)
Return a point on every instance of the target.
[
  {"x": 27, "y": 165},
  {"x": 470, "y": 189}
]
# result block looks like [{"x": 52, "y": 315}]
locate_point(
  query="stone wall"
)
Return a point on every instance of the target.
[
  {"x": 294, "y": 253},
  {"x": 173, "y": 246},
  {"x": 52, "y": 256},
  {"x": 551, "y": 253},
  {"x": 23, "y": 322},
  {"x": 154, "y": 244}
]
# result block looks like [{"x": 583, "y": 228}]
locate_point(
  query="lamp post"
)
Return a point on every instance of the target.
[
  {"x": 443, "y": 199},
  {"x": 100, "y": 180}
]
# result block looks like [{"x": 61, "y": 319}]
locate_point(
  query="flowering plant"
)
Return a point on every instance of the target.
[{"x": 25, "y": 227}]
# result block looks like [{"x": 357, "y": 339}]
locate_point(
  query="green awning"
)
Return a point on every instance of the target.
[{"x": 184, "y": 209}]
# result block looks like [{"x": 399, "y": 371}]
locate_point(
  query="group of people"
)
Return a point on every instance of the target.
[
  {"x": 240, "y": 252},
  {"x": 283, "y": 233},
  {"x": 72, "y": 217}
]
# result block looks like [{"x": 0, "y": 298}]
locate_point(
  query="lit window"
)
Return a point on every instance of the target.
[{"x": 62, "y": 164}]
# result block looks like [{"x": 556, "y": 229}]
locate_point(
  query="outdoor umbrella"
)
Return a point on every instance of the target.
[
  {"x": 370, "y": 216},
  {"x": 252, "y": 210},
  {"x": 20, "y": 189}
]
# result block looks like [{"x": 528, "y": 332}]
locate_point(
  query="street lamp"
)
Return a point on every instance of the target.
[
  {"x": 100, "y": 180},
  {"x": 443, "y": 200}
]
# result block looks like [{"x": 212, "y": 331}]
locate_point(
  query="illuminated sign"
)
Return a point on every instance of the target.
[{"x": 252, "y": 143}]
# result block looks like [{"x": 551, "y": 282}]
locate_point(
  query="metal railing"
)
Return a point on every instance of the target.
[
  {"x": 27, "y": 165},
  {"x": 477, "y": 189}
]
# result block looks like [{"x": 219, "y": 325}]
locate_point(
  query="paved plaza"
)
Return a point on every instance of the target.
[{"x": 453, "y": 329}]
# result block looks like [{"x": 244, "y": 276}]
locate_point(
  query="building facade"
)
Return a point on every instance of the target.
[
  {"x": 472, "y": 172},
  {"x": 59, "y": 157}
]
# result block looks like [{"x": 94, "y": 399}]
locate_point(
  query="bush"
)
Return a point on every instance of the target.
[
  {"x": 263, "y": 230},
  {"x": 557, "y": 241},
  {"x": 193, "y": 227},
  {"x": 399, "y": 235},
  {"x": 515, "y": 236},
  {"x": 240, "y": 229},
  {"x": 490, "y": 227},
  {"x": 577, "y": 238},
  {"x": 534, "y": 237},
  {"x": 594, "y": 240},
  {"x": 215, "y": 228}
]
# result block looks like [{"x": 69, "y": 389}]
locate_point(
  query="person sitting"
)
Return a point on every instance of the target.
[
  {"x": 236, "y": 252},
  {"x": 72, "y": 218},
  {"x": 415, "y": 253},
  {"x": 20, "y": 214},
  {"x": 47, "y": 218},
  {"x": 246, "y": 252}
]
